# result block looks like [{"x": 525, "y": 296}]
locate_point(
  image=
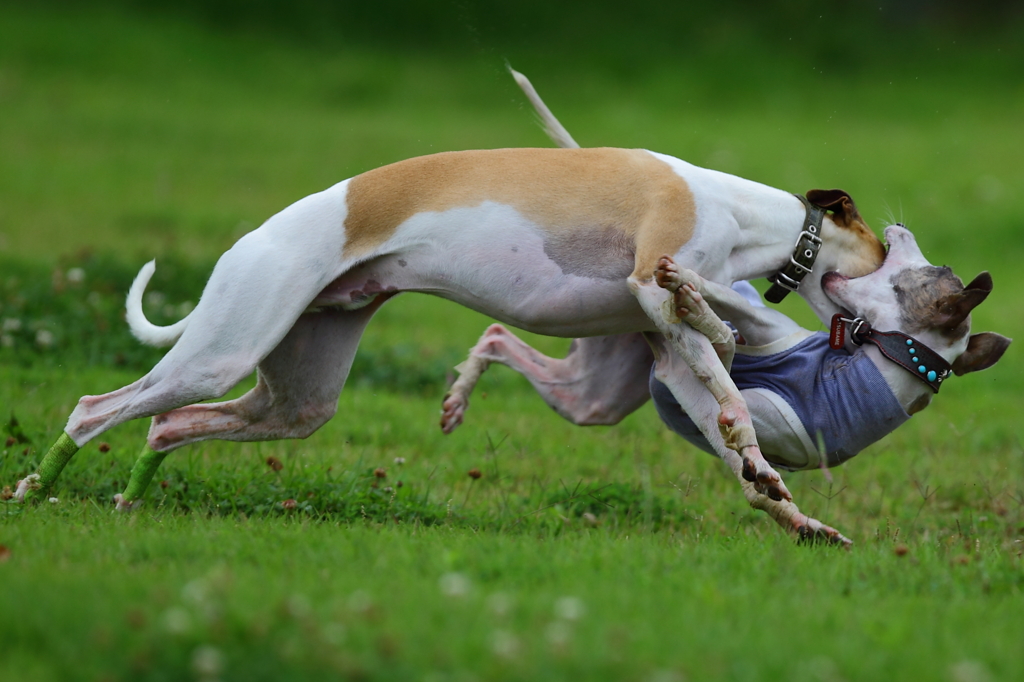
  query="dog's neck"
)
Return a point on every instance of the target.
[
  {"x": 770, "y": 234},
  {"x": 769, "y": 222},
  {"x": 912, "y": 393}
]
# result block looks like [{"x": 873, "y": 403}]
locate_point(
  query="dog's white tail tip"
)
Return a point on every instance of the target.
[
  {"x": 555, "y": 130},
  {"x": 142, "y": 329}
]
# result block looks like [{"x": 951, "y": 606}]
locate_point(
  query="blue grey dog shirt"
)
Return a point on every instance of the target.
[{"x": 818, "y": 391}]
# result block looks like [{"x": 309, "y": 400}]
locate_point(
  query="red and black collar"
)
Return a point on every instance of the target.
[{"x": 903, "y": 349}]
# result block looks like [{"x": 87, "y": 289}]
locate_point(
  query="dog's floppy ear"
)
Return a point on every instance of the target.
[
  {"x": 983, "y": 351},
  {"x": 844, "y": 211},
  {"x": 952, "y": 310}
]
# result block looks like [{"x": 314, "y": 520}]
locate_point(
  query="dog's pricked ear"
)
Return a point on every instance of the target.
[
  {"x": 844, "y": 211},
  {"x": 983, "y": 282},
  {"x": 952, "y": 310},
  {"x": 983, "y": 351}
]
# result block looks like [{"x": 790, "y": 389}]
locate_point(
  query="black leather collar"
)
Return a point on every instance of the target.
[
  {"x": 804, "y": 254},
  {"x": 903, "y": 349}
]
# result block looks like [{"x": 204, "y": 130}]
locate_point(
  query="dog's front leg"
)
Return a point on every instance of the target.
[
  {"x": 702, "y": 408},
  {"x": 757, "y": 324},
  {"x": 600, "y": 381},
  {"x": 788, "y": 515},
  {"x": 689, "y": 306},
  {"x": 699, "y": 354}
]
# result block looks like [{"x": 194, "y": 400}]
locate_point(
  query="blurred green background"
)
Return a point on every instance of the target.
[{"x": 133, "y": 130}]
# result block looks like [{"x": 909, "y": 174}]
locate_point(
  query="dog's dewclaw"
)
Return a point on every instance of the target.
[
  {"x": 49, "y": 469},
  {"x": 142, "y": 473}
]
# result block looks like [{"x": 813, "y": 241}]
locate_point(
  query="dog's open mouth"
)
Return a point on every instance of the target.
[{"x": 831, "y": 284}]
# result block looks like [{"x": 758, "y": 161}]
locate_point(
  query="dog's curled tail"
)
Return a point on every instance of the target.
[{"x": 142, "y": 329}]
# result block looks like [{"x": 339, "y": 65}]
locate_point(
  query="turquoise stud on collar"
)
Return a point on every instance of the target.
[{"x": 904, "y": 350}]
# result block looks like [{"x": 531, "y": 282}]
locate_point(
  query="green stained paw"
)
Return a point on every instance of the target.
[{"x": 56, "y": 458}]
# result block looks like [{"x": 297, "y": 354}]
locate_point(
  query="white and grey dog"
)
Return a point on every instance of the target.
[
  {"x": 563, "y": 242},
  {"x": 814, "y": 400}
]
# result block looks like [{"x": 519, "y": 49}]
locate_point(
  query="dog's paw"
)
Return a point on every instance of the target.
[
  {"x": 124, "y": 506},
  {"x": 690, "y": 305},
  {"x": 452, "y": 411},
  {"x": 765, "y": 479},
  {"x": 812, "y": 532},
  {"x": 666, "y": 274},
  {"x": 25, "y": 485}
]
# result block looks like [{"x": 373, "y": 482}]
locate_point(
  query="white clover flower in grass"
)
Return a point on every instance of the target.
[
  {"x": 399, "y": 461},
  {"x": 75, "y": 275},
  {"x": 504, "y": 644},
  {"x": 335, "y": 633},
  {"x": 569, "y": 608},
  {"x": 11, "y": 324},
  {"x": 200, "y": 595},
  {"x": 819, "y": 668},
  {"x": 970, "y": 671},
  {"x": 558, "y": 633},
  {"x": 177, "y": 621},
  {"x": 195, "y": 592},
  {"x": 207, "y": 662},
  {"x": 500, "y": 604},
  {"x": 360, "y": 601},
  {"x": 455, "y": 584},
  {"x": 298, "y": 607},
  {"x": 45, "y": 338}
]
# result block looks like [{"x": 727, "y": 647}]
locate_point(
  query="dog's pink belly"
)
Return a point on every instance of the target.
[
  {"x": 563, "y": 307},
  {"x": 541, "y": 300}
]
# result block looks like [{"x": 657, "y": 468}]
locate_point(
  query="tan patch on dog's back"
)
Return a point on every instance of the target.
[{"x": 625, "y": 198}]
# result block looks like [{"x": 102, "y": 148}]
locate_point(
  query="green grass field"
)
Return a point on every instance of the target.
[{"x": 616, "y": 553}]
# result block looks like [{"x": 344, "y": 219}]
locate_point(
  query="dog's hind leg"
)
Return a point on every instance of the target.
[
  {"x": 296, "y": 392},
  {"x": 166, "y": 387},
  {"x": 141, "y": 474},
  {"x": 242, "y": 315},
  {"x": 600, "y": 381}
]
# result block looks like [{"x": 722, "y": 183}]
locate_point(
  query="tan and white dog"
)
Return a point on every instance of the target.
[
  {"x": 562, "y": 242},
  {"x": 603, "y": 379}
]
